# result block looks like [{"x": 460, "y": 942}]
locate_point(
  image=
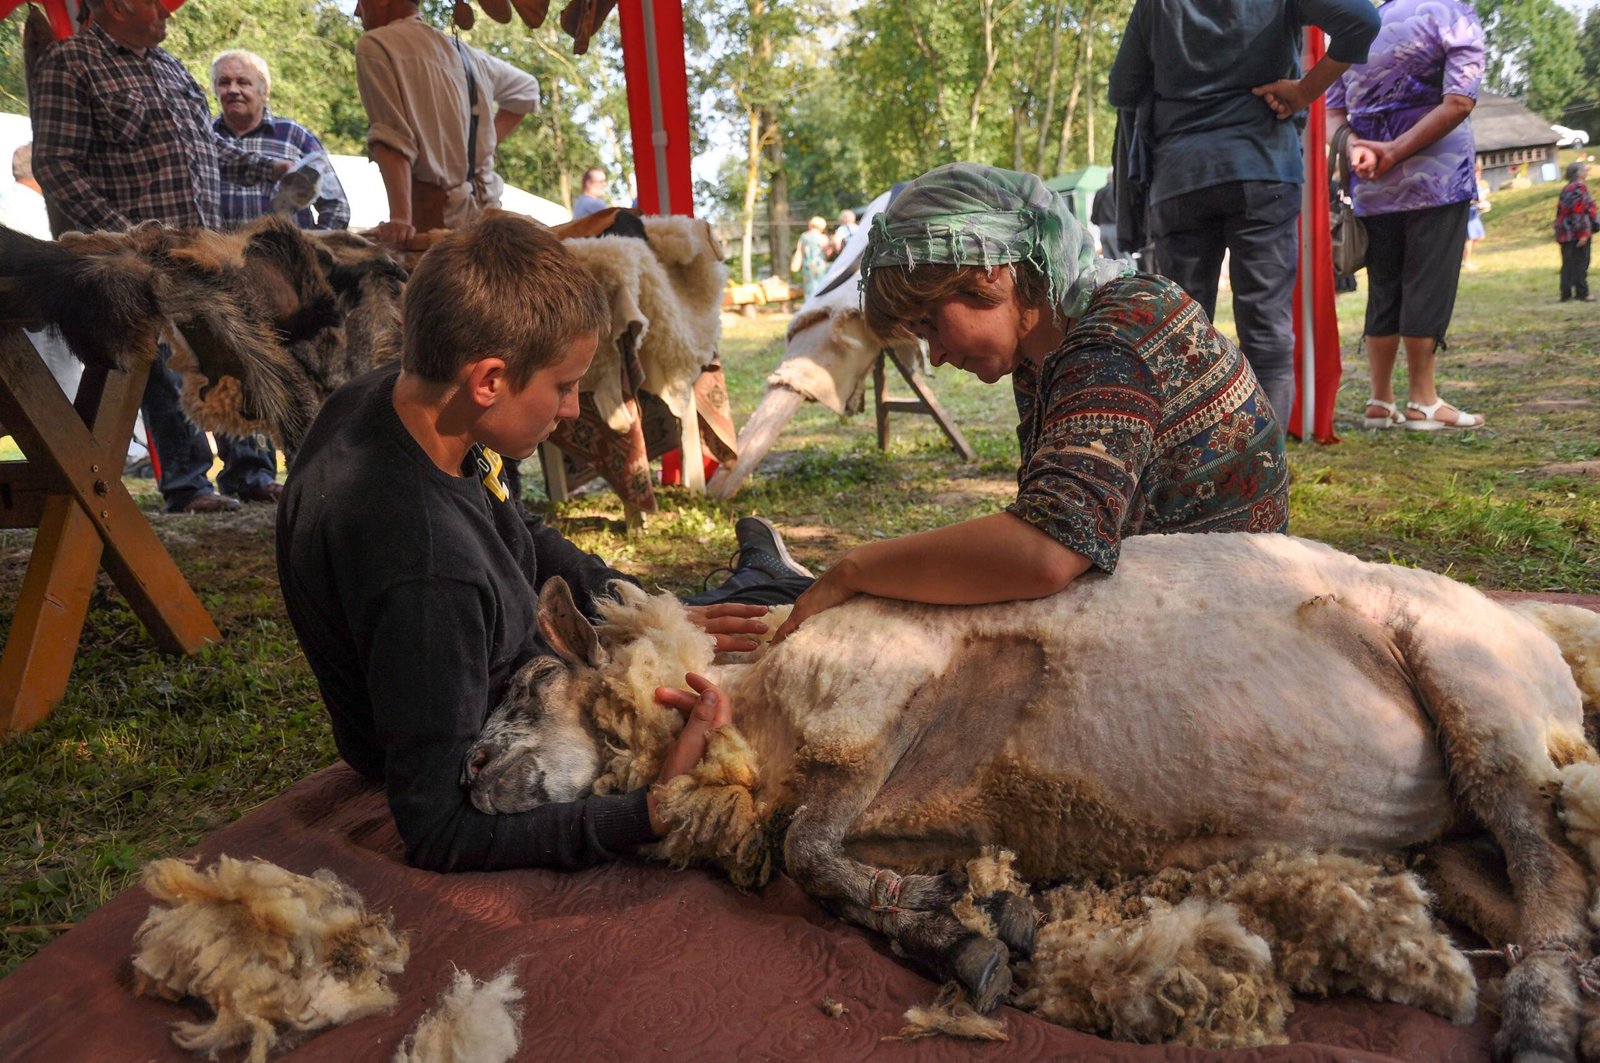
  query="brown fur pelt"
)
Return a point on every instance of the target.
[
  {"x": 1211, "y": 958},
  {"x": 272, "y": 952},
  {"x": 264, "y": 322}
]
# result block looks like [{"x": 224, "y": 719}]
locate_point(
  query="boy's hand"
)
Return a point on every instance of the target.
[
  {"x": 732, "y": 623},
  {"x": 704, "y": 710}
]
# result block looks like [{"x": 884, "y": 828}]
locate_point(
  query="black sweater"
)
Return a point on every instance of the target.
[{"x": 414, "y": 596}]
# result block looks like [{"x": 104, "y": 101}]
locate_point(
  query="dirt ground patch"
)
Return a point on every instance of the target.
[
  {"x": 1571, "y": 468},
  {"x": 1555, "y": 405}
]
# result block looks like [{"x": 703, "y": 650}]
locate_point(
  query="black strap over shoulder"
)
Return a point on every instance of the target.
[{"x": 472, "y": 115}]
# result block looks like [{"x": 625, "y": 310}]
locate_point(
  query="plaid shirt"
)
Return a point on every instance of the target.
[
  {"x": 1575, "y": 213},
  {"x": 120, "y": 138},
  {"x": 281, "y": 138}
]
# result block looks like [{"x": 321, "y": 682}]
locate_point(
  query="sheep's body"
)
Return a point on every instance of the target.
[{"x": 1219, "y": 696}]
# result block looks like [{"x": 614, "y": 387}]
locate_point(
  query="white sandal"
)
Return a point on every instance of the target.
[
  {"x": 1429, "y": 421},
  {"x": 1391, "y": 418}
]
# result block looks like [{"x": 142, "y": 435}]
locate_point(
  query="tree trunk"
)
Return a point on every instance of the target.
[
  {"x": 1088, "y": 112},
  {"x": 1079, "y": 69},
  {"x": 778, "y": 230},
  {"x": 558, "y": 135},
  {"x": 752, "y": 185},
  {"x": 1048, "y": 120},
  {"x": 990, "y": 56}
]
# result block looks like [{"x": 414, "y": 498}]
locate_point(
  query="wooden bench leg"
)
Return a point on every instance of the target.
[
  {"x": 924, "y": 403},
  {"x": 43, "y": 640}
]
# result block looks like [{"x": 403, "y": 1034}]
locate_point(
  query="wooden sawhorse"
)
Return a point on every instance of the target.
[
  {"x": 924, "y": 403},
  {"x": 70, "y": 488}
]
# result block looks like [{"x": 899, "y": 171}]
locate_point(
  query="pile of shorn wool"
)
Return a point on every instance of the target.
[
  {"x": 273, "y": 953},
  {"x": 1212, "y": 958}
]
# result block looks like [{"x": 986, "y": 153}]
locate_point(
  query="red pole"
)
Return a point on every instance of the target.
[
  {"x": 658, "y": 103},
  {"x": 1315, "y": 221}
]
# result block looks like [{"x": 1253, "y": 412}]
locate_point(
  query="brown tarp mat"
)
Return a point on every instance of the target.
[{"x": 625, "y": 962}]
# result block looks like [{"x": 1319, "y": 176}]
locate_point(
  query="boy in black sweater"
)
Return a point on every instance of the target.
[{"x": 412, "y": 582}]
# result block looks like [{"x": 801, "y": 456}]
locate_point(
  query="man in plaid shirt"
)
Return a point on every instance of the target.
[
  {"x": 243, "y": 83},
  {"x": 121, "y": 135}
]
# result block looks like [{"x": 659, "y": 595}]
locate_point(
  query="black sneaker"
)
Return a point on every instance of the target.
[{"x": 761, "y": 547}]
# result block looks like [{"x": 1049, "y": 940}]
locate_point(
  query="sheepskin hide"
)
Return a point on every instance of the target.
[
  {"x": 273, "y": 953},
  {"x": 1211, "y": 958},
  {"x": 665, "y": 293},
  {"x": 473, "y": 1022},
  {"x": 831, "y": 351}
]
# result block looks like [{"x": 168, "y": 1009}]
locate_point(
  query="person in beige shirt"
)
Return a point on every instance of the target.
[{"x": 415, "y": 88}]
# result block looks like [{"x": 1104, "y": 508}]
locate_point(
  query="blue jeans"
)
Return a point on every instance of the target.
[{"x": 181, "y": 449}]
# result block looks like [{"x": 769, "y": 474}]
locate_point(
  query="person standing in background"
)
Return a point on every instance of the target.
[
  {"x": 243, "y": 84},
  {"x": 810, "y": 258},
  {"x": 436, "y": 111},
  {"x": 1480, "y": 207},
  {"x": 1411, "y": 155},
  {"x": 1575, "y": 226},
  {"x": 1227, "y": 171},
  {"x": 593, "y": 197},
  {"x": 122, "y": 135}
]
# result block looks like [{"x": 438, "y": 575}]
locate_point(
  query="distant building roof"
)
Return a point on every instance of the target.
[{"x": 1500, "y": 123}]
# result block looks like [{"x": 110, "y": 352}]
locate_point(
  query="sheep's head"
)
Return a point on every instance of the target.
[{"x": 539, "y": 745}]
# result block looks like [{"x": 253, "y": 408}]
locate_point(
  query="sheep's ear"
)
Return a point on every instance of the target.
[{"x": 566, "y": 628}]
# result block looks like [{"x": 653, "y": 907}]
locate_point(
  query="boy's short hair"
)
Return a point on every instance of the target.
[
  {"x": 896, "y": 295},
  {"x": 504, "y": 287}
]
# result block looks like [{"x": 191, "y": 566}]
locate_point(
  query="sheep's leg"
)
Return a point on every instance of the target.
[
  {"x": 913, "y": 910},
  {"x": 1494, "y": 759}
]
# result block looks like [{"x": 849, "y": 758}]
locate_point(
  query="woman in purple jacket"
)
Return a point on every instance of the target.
[{"x": 1412, "y": 154}]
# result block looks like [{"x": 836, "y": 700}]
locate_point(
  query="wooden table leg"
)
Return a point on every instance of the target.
[
  {"x": 75, "y": 456},
  {"x": 48, "y": 621}
]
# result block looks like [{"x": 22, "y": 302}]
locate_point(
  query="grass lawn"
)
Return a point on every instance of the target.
[{"x": 147, "y": 753}]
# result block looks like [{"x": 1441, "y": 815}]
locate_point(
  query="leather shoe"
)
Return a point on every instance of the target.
[
  {"x": 210, "y": 502},
  {"x": 268, "y": 492}
]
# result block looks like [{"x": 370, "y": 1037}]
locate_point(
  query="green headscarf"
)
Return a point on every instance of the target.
[{"x": 964, "y": 214}]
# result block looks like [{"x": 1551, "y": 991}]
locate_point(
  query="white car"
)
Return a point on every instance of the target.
[{"x": 1570, "y": 138}]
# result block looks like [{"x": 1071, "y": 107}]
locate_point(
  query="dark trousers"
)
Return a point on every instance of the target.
[
  {"x": 1575, "y": 270},
  {"x": 751, "y": 586},
  {"x": 181, "y": 449},
  {"x": 1254, "y": 221}
]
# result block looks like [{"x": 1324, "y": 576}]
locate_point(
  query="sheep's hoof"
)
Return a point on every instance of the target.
[
  {"x": 1014, "y": 921},
  {"x": 979, "y": 964}
]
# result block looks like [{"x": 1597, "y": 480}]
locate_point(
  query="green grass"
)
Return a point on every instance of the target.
[{"x": 148, "y": 753}]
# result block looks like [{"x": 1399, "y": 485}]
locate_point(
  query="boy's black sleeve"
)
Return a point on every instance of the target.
[
  {"x": 427, "y": 676},
  {"x": 555, "y": 555}
]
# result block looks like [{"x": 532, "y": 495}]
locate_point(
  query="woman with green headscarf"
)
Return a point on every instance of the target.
[{"x": 1135, "y": 414}]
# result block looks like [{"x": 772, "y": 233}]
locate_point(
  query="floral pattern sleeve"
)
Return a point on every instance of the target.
[
  {"x": 1146, "y": 419},
  {"x": 1092, "y": 435}
]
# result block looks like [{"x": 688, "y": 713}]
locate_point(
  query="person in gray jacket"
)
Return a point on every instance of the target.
[{"x": 1226, "y": 171}]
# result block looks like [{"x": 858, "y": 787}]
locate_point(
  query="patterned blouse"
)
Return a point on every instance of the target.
[
  {"x": 1146, "y": 419},
  {"x": 1575, "y": 213},
  {"x": 1425, "y": 50}
]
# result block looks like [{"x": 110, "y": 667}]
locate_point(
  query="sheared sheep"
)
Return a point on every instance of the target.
[
  {"x": 272, "y": 952},
  {"x": 1219, "y": 697}
]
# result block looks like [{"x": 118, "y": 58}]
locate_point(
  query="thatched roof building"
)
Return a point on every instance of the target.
[{"x": 1513, "y": 142}]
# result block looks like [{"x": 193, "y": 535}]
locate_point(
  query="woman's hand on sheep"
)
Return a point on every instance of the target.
[
  {"x": 733, "y": 624},
  {"x": 829, "y": 590},
  {"x": 705, "y": 708}
]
